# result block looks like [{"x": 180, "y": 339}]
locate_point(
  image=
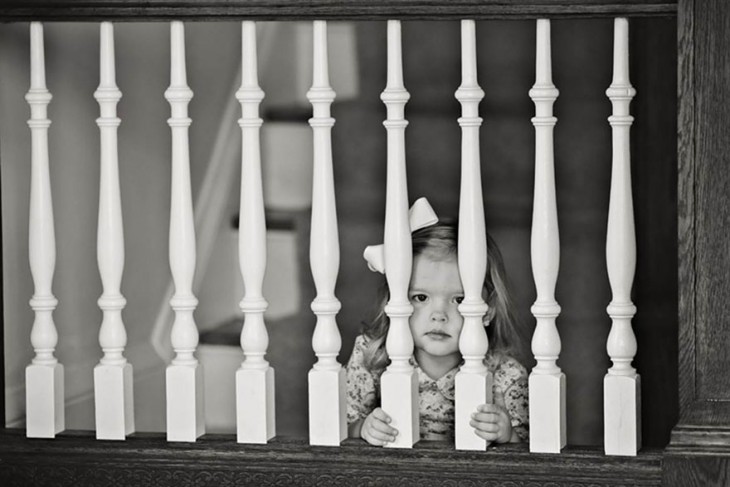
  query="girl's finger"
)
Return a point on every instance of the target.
[
  {"x": 486, "y": 436},
  {"x": 374, "y": 441},
  {"x": 489, "y": 408},
  {"x": 381, "y": 436},
  {"x": 485, "y": 417},
  {"x": 383, "y": 428},
  {"x": 484, "y": 427},
  {"x": 378, "y": 413}
]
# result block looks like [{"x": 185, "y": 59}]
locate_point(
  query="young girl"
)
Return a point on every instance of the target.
[{"x": 435, "y": 292}]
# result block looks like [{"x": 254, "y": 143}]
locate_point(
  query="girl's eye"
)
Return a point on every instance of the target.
[
  {"x": 459, "y": 299},
  {"x": 419, "y": 298}
]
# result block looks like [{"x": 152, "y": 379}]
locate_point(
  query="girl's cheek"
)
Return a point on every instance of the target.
[{"x": 413, "y": 320}]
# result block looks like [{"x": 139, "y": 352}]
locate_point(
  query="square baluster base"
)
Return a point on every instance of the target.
[
  {"x": 399, "y": 393},
  {"x": 471, "y": 391},
  {"x": 622, "y": 414},
  {"x": 327, "y": 407},
  {"x": 44, "y": 400},
  {"x": 113, "y": 401},
  {"x": 185, "y": 413},
  {"x": 547, "y": 413},
  {"x": 255, "y": 411}
]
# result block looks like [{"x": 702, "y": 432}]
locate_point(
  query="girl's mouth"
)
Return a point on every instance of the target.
[{"x": 438, "y": 335}]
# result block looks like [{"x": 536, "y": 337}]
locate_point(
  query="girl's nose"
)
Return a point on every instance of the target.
[{"x": 438, "y": 316}]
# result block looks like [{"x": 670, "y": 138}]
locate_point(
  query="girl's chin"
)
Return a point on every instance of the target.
[{"x": 441, "y": 349}]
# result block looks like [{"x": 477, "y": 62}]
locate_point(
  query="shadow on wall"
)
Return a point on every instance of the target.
[{"x": 582, "y": 71}]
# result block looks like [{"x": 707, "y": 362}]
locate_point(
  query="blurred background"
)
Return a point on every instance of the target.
[{"x": 582, "y": 65}]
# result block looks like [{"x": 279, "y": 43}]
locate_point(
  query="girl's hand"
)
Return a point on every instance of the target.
[
  {"x": 376, "y": 430},
  {"x": 492, "y": 422}
]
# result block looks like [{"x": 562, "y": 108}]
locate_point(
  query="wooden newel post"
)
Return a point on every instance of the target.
[
  {"x": 622, "y": 385},
  {"x": 113, "y": 392},
  {"x": 547, "y": 381},
  {"x": 399, "y": 382},
  {"x": 44, "y": 392},
  {"x": 473, "y": 381},
  {"x": 327, "y": 382},
  {"x": 185, "y": 417},
  {"x": 255, "y": 378}
]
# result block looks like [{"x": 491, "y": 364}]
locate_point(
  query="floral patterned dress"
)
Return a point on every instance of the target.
[{"x": 436, "y": 397}]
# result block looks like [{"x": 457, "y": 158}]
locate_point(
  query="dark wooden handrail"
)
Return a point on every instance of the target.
[
  {"x": 76, "y": 459},
  {"x": 136, "y": 10}
]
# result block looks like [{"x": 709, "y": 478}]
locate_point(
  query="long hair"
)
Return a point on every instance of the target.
[{"x": 439, "y": 242}]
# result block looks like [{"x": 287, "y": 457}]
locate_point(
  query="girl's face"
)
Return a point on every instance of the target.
[{"x": 435, "y": 292}]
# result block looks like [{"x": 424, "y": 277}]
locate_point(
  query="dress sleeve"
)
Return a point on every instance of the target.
[
  {"x": 510, "y": 378},
  {"x": 361, "y": 386}
]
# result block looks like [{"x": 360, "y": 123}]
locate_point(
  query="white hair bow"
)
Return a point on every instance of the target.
[{"x": 419, "y": 216}]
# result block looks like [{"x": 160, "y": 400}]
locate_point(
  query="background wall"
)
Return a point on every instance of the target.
[
  {"x": 72, "y": 62},
  {"x": 582, "y": 71}
]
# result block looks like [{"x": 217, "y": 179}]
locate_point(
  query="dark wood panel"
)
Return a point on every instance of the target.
[
  {"x": 324, "y": 9},
  {"x": 706, "y": 412},
  {"x": 712, "y": 199},
  {"x": 699, "y": 450},
  {"x": 685, "y": 204},
  {"x": 696, "y": 471},
  {"x": 76, "y": 459}
]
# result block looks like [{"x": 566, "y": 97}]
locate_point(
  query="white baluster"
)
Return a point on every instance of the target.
[
  {"x": 44, "y": 396},
  {"x": 327, "y": 402},
  {"x": 185, "y": 419},
  {"x": 113, "y": 396},
  {"x": 473, "y": 381},
  {"x": 255, "y": 379},
  {"x": 622, "y": 385},
  {"x": 399, "y": 382},
  {"x": 547, "y": 381}
]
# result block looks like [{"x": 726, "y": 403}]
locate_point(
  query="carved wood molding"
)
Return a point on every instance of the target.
[
  {"x": 147, "y": 459},
  {"x": 700, "y": 440}
]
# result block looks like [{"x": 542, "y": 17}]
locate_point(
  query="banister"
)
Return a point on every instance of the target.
[{"x": 79, "y": 460}]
